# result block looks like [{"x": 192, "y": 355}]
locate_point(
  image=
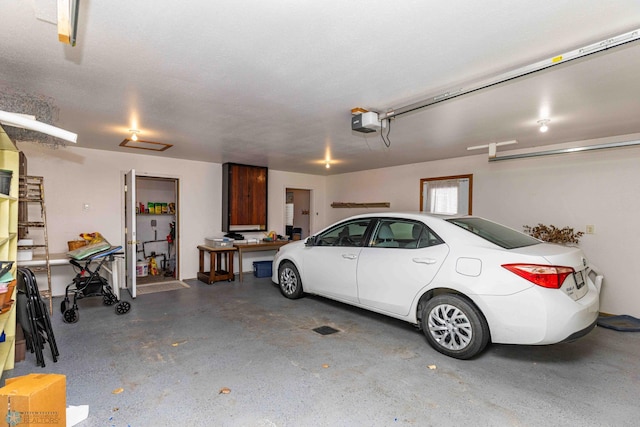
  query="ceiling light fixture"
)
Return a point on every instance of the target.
[
  {"x": 145, "y": 145},
  {"x": 327, "y": 165},
  {"x": 134, "y": 134},
  {"x": 543, "y": 125},
  {"x": 618, "y": 40},
  {"x": 25, "y": 121}
]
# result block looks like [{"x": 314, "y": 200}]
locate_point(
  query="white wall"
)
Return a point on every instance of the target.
[
  {"x": 601, "y": 188},
  {"x": 76, "y": 176}
]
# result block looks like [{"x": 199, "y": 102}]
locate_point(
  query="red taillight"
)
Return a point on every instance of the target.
[{"x": 547, "y": 276}]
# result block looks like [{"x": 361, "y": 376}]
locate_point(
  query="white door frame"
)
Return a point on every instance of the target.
[
  {"x": 312, "y": 209},
  {"x": 130, "y": 239},
  {"x": 177, "y": 243}
]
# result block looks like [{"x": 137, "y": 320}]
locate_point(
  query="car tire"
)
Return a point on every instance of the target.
[
  {"x": 289, "y": 280},
  {"x": 454, "y": 326}
]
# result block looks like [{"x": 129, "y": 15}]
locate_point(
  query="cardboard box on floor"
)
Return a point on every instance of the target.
[{"x": 34, "y": 400}]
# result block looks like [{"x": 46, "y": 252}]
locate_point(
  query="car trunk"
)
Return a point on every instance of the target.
[{"x": 567, "y": 256}]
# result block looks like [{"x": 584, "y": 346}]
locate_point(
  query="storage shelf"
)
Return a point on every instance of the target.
[
  {"x": 4, "y": 240},
  {"x": 24, "y": 247},
  {"x": 8, "y": 325},
  {"x": 31, "y": 224},
  {"x": 7, "y": 355},
  {"x": 9, "y": 159}
]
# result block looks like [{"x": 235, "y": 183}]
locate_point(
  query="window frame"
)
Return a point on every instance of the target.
[
  {"x": 424, "y": 181},
  {"x": 375, "y": 229},
  {"x": 365, "y": 236}
]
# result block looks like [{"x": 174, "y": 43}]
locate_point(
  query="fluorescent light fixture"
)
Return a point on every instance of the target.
[
  {"x": 68, "y": 21},
  {"x": 631, "y": 36},
  {"x": 29, "y": 122}
]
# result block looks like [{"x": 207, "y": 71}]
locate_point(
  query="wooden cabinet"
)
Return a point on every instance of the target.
[
  {"x": 9, "y": 160},
  {"x": 244, "y": 197}
]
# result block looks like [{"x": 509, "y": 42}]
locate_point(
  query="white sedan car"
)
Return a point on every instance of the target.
[{"x": 465, "y": 281}]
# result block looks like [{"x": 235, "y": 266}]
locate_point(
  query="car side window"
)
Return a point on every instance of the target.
[
  {"x": 346, "y": 234},
  {"x": 398, "y": 233}
]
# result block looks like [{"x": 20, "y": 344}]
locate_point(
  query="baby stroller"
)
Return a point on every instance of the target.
[{"x": 89, "y": 283}]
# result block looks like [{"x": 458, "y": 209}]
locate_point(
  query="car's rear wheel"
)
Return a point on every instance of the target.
[
  {"x": 454, "y": 326},
  {"x": 289, "y": 280}
]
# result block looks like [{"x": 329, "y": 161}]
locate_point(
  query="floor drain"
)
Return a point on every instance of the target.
[{"x": 325, "y": 330}]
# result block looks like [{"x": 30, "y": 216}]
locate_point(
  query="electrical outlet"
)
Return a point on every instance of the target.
[{"x": 591, "y": 229}]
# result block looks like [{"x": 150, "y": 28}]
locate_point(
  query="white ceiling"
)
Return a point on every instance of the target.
[{"x": 272, "y": 83}]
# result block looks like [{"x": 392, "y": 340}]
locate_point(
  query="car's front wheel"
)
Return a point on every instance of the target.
[
  {"x": 289, "y": 280},
  {"x": 454, "y": 326}
]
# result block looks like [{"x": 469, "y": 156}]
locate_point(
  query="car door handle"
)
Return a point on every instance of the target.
[
  {"x": 349, "y": 256},
  {"x": 424, "y": 260}
]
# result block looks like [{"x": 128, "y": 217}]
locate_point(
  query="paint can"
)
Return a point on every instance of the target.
[{"x": 142, "y": 269}]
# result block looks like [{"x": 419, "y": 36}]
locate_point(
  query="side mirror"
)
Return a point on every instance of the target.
[{"x": 311, "y": 241}]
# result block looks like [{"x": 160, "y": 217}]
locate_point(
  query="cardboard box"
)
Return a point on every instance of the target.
[{"x": 34, "y": 400}]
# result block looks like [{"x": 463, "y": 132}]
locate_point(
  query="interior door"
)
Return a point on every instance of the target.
[{"x": 130, "y": 231}]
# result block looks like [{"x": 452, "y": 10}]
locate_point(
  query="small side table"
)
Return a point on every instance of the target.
[{"x": 216, "y": 272}]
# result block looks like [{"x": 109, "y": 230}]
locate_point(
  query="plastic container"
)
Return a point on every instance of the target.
[
  {"x": 262, "y": 268},
  {"x": 218, "y": 243},
  {"x": 24, "y": 255},
  {"x": 5, "y": 181},
  {"x": 142, "y": 269}
]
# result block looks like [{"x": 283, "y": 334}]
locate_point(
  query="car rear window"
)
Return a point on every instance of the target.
[{"x": 495, "y": 233}]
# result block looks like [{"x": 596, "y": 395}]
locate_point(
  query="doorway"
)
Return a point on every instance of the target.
[
  {"x": 298, "y": 213},
  {"x": 151, "y": 230}
]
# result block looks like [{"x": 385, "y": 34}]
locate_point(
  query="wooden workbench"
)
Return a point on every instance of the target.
[{"x": 256, "y": 247}]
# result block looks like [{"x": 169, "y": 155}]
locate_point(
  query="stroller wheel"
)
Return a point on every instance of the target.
[
  {"x": 109, "y": 299},
  {"x": 70, "y": 316},
  {"x": 64, "y": 304},
  {"x": 123, "y": 307}
]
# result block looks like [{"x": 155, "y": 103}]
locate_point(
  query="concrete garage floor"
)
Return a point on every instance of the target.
[{"x": 175, "y": 351}]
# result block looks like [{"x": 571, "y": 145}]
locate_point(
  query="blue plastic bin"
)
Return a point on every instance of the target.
[{"x": 262, "y": 268}]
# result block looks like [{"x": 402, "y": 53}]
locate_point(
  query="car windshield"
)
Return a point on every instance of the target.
[{"x": 495, "y": 233}]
